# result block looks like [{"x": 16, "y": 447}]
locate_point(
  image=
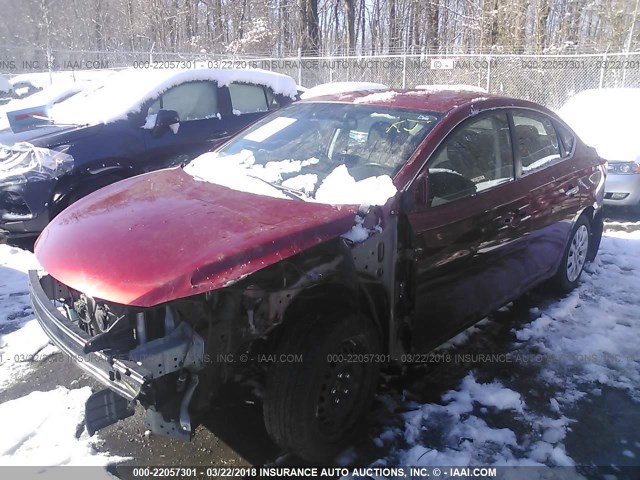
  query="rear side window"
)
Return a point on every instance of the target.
[
  {"x": 247, "y": 98},
  {"x": 475, "y": 157},
  {"x": 192, "y": 101},
  {"x": 272, "y": 100},
  {"x": 567, "y": 139},
  {"x": 536, "y": 141}
]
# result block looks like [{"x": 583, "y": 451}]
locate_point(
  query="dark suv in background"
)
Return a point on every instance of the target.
[{"x": 134, "y": 122}]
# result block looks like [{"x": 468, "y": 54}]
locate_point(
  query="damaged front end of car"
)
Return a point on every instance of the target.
[
  {"x": 142, "y": 355},
  {"x": 174, "y": 357}
]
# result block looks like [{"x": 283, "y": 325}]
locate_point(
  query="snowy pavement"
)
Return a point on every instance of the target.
[{"x": 539, "y": 383}]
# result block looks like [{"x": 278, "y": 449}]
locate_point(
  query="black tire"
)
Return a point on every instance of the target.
[
  {"x": 302, "y": 410},
  {"x": 575, "y": 256}
]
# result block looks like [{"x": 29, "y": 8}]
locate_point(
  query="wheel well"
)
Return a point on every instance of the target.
[
  {"x": 334, "y": 298},
  {"x": 596, "y": 224}
]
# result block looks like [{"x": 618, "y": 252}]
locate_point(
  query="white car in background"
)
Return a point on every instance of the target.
[
  {"x": 340, "y": 87},
  {"x": 48, "y": 97},
  {"x": 607, "y": 120}
]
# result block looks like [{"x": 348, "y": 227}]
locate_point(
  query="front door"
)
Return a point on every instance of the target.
[{"x": 468, "y": 233}]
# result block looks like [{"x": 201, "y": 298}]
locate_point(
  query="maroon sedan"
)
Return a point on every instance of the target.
[{"x": 329, "y": 238}]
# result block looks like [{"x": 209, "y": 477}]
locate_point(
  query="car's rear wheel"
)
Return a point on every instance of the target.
[
  {"x": 314, "y": 404},
  {"x": 575, "y": 256}
]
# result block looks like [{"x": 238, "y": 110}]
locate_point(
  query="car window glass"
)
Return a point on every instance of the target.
[
  {"x": 367, "y": 140},
  {"x": 536, "y": 140},
  {"x": 192, "y": 101},
  {"x": 247, "y": 98},
  {"x": 476, "y": 156},
  {"x": 568, "y": 140},
  {"x": 272, "y": 100}
]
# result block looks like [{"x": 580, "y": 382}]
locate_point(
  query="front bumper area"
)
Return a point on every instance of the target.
[
  {"x": 125, "y": 378},
  {"x": 618, "y": 185},
  {"x": 147, "y": 373}
]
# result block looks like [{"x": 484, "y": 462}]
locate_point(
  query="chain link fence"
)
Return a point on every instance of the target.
[{"x": 546, "y": 79}]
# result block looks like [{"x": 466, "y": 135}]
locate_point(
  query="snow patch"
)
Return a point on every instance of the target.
[
  {"x": 339, "y": 187},
  {"x": 42, "y": 429},
  {"x": 336, "y": 88},
  {"x": 376, "y": 97}
]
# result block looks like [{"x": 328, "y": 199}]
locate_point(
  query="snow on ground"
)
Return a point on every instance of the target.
[
  {"x": 520, "y": 414},
  {"x": 21, "y": 338},
  {"x": 42, "y": 428},
  {"x": 336, "y": 88},
  {"x": 47, "y": 428}
]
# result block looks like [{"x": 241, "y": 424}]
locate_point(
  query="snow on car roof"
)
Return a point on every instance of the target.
[
  {"x": 340, "y": 87},
  {"x": 606, "y": 120},
  {"x": 126, "y": 91},
  {"x": 454, "y": 87},
  {"x": 45, "y": 79}
]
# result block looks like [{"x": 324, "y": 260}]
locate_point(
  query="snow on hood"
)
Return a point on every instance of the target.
[
  {"x": 126, "y": 91},
  {"x": 606, "y": 119},
  {"x": 241, "y": 172},
  {"x": 340, "y": 87}
]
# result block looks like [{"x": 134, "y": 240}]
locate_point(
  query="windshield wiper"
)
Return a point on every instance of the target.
[{"x": 292, "y": 192}]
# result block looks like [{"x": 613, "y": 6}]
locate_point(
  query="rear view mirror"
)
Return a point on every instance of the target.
[{"x": 166, "y": 119}]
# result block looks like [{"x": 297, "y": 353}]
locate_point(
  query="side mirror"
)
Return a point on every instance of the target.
[{"x": 164, "y": 120}]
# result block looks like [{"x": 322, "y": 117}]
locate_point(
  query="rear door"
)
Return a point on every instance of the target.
[
  {"x": 466, "y": 237},
  {"x": 556, "y": 190},
  {"x": 248, "y": 103}
]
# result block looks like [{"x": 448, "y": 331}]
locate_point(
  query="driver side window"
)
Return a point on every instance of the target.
[{"x": 476, "y": 156}]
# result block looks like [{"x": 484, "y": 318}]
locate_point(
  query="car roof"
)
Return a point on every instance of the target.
[{"x": 435, "y": 100}]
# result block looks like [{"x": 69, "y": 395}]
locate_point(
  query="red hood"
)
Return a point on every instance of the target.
[{"x": 164, "y": 235}]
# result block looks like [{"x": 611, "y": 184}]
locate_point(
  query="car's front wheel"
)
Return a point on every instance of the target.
[
  {"x": 575, "y": 256},
  {"x": 321, "y": 384}
]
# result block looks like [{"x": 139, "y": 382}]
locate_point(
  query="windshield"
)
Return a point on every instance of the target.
[{"x": 325, "y": 152}]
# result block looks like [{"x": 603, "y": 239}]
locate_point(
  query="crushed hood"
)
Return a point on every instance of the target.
[{"x": 163, "y": 235}]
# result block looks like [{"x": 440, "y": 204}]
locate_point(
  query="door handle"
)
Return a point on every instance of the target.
[
  {"x": 509, "y": 219},
  {"x": 572, "y": 192}
]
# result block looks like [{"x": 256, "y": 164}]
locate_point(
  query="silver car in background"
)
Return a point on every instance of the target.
[{"x": 607, "y": 119}]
